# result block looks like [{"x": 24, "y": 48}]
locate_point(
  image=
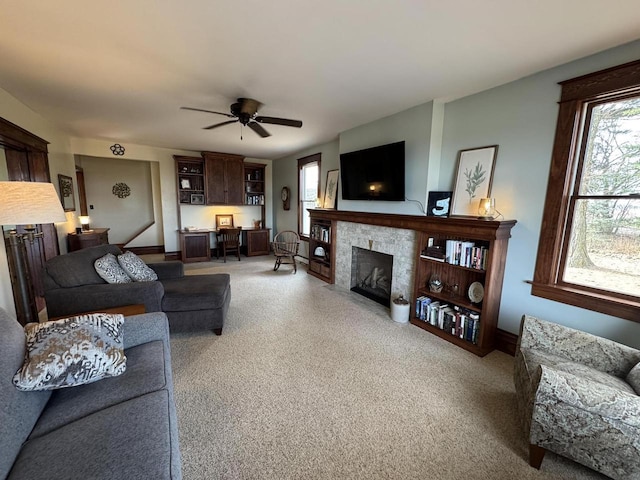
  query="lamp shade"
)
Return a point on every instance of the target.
[{"x": 25, "y": 203}]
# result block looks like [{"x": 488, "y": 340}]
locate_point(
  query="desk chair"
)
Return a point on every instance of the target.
[{"x": 228, "y": 241}]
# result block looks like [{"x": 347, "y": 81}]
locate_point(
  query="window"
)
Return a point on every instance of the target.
[
  {"x": 589, "y": 251},
  {"x": 309, "y": 190}
]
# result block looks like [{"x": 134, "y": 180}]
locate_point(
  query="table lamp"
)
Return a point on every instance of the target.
[
  {"x": 28, "y": 204},
  {"x": 84, "y": 221}
]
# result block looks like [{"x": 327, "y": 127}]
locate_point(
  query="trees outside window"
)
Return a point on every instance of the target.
[
  {"x": 308, "y": 191},
  {"x": 589, "y": 252}
]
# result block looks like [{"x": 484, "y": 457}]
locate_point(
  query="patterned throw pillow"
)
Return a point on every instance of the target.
[
  {"x": 633, "y": 378},
  {"x": 72, "y": 351},
  {"x": 110, "y": 270},
  {"x": 136, "y": 268}
]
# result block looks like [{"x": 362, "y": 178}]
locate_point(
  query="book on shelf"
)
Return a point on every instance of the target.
[
  {"x": 456, "y": 320},
  {"x": 466, "y": 254}
]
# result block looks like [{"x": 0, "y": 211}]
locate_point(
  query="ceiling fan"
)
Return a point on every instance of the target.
[{"x": 245, "y": 111}]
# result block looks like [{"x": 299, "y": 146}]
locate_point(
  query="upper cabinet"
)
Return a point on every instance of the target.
[
  {"x": 190, "y": 177},
  {"x": 224, "y": 175}
]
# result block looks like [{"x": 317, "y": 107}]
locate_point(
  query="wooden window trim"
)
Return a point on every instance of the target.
[
  {"x": 301, "y": 163},
  {"x": 577, "y": 93}
]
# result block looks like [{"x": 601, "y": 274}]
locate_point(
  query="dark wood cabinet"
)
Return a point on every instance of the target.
[
  {"x": 195, "y": 246},
  {"x": 256, "y": 242},
  {"x": 93, "y": 238},
  {"x": 224, "y": 175}
]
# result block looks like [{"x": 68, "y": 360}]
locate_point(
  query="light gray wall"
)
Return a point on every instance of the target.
[
  {"x": 521, "y": 118},
  {"x": 123, "y": 216}
]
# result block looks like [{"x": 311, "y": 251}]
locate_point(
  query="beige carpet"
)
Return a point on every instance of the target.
[{"x": 310, "y": 382}]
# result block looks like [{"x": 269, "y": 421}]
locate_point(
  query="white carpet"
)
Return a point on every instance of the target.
[{"x": 311, "y": 382}]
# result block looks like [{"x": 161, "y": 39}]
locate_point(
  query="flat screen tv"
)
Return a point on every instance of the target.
[{"x": 375, "y": 173}]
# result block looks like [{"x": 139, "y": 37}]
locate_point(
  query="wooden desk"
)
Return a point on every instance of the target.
[
  {"x": 92, "y": 238},
  {"x": 195, "y": 245}
]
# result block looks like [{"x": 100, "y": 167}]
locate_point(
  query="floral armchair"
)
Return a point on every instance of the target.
[{"x": 577, "y": 396}]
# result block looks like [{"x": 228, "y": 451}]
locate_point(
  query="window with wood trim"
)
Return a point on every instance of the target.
[
  {"x": 589, "y": 251},
  {"x": 308, "y": 190}
]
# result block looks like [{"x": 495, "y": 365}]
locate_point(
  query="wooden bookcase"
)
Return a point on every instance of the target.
[
  {"x": 494, "y": 237},
  {"x": 191, "y": 181},
  {"x": 321, "y": 243}
]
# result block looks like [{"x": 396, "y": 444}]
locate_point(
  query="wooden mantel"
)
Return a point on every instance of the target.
[{"x": 493, "y": 228}]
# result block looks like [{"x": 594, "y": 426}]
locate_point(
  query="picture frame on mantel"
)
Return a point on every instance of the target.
[
  {"x": 65, "y": 183},
  {"x": 473, "y": 181},
  {"x": 331, "y": 190},
  {"x": 439, "y": 204}
]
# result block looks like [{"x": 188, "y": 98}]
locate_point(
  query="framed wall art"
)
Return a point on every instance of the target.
[
  {"x": 439, "y": 204},
  {"x": 473, "y": 179},
  {"x": 331, "y": 189},
  {"x": 197, "y": 199},
  {"x": 224, "y": 221},
  {"x": 66, "y": 193}
]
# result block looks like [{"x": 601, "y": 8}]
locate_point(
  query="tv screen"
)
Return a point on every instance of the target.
[{"x": 374, "y": 173}]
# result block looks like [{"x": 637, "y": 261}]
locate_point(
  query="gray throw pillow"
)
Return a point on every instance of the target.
[
  {"x": 110, "y": 270},
  {"x": 136, "y": 268},
  {"x": 633, "y": 378},
  {"x": 72, "y": 351}
]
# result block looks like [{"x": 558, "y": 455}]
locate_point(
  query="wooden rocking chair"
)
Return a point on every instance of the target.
[{"x": 285, "y": 247}]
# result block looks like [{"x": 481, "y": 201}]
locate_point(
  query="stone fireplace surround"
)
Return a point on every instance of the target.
[{"x": 400, "y": 243}]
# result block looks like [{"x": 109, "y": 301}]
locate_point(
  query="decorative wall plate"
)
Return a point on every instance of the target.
[
  {"x": 476, "y": 292},
  {"x": 319, "y": 252}
]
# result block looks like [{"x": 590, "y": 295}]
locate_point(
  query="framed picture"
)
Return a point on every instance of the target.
[
  {"x": 185, "y": 183},
  {"x": 66, "y": 193},
  {"x": 473, "y": 179},
  {"x": 331, "y": 190},
  {"x": 439, "y": 204},
  {"x": 197, "y": 199},
  {"x": 223, "y": 221}
]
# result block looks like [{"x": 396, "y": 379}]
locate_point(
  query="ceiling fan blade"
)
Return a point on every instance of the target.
[
  {"x": 211, "y": 127},
  {"x": 207, "y": 111},
  {"x": 256, "y": 127},
  {"x": 279, "y": 121}
]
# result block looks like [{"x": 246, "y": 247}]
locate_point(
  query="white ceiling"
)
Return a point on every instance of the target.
[{"x": 120, "y": 69}]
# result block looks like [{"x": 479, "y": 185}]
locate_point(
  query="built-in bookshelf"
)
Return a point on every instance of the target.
[
  {"x": 320, "y": 249},
  {"x": 191, "y": 182},
  {"x": 458, "y": 280},
  {"x": 254, "y": 184}
]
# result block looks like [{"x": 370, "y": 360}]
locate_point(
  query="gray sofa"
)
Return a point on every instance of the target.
[
  {"x": 576, "y": 397},
  {"x": 196, "y": 302},
  {"x": 115, "y": 428}
]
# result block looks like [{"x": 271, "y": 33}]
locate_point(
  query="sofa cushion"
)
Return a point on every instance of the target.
[
  {"x": 136, "y": 268},
  {"x": 19, "y": 411},
  {"x": 126, "y": 441},
  {"x": 633, "y": 378},
  {"x": 76, "y": 268},
  {"x": 110, "y": 270},
  {"x": 195, "y": 292},
  {"x": 72, "y": 351},
  {"x": 147, "y": 370}
]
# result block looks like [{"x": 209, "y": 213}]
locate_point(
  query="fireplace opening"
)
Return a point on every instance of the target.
[{"x": 371, "y": 274}]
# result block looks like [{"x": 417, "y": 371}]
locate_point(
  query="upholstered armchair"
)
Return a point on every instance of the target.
[{"x": 577, "y": 396}]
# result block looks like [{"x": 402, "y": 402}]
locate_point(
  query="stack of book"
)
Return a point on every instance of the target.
[
  {"x": 458, "y": 321},
  {"x": 466, "y": 254},
  {"x": 434, "y": 252}
]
